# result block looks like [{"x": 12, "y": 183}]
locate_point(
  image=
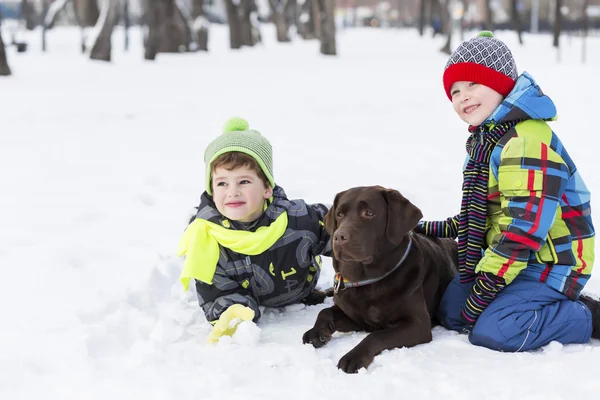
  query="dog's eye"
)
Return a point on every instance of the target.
[
  {"x": 339, "y": 214},
  {"x": 368, "y": 213}
]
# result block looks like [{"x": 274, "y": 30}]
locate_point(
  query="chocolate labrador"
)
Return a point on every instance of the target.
[{"x": 389, "y": 279}]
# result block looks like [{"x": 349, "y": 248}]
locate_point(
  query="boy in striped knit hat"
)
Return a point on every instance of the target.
[
  {"x": 248, "y": 245},
  {"x": 525, "y": 232}
]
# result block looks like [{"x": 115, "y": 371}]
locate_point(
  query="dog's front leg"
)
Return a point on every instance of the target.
[
  {"x": 407, "y": 334},
  {"x": 328, "y": 321}
]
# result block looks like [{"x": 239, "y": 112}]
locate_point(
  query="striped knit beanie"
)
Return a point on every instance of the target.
[
  {"x": 238, "y": 137},
  {"x": 485, "y": 60}
]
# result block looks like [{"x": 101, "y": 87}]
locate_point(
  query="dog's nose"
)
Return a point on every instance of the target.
[{"x": 340, "y": 236}]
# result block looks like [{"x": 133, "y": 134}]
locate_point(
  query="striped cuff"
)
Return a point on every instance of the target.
[
  {"x": 442, "y": 229},
  {"x": 485, "y": 289}
]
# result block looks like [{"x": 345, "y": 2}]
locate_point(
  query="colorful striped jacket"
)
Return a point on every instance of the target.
[{"x": 539, "y": 220}]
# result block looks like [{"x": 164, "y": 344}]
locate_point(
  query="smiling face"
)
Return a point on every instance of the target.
[
  {"x": 239, "y": 194},
  {"x": 474, "y": 102}
]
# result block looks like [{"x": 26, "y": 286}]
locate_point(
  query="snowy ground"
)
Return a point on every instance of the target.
[{"x": 101, "y": 164}]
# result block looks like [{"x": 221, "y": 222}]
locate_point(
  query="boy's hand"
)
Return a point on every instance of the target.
[
  {"x": 484, "y": 291},
  {"x": 229, "y": 321}
]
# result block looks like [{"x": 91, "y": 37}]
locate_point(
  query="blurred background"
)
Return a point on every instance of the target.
[
  {"x": 106, "y": 108},
  {"x": 180, "y": 26}
]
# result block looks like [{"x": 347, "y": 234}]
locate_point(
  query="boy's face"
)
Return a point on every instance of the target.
[
  {"x": 239, "y": 194},
  {"x": 474, "y": 102}
]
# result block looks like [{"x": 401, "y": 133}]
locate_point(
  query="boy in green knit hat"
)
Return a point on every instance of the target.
[
  {"x": 248, "y": 245},
  {"x": 525, "y": 232}
]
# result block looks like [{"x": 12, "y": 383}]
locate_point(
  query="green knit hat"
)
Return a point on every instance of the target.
[{"x": 238, "y": 137}]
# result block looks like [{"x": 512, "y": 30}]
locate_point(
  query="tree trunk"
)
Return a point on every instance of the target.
[
  {"x": 4, "y": 68},
  {"x": 53, "y": 10},
  {"x": 235, "y": 32},
  {"x": 585, "y": 29},
  {"x": 168, "y": 30},
  {"x": 101, "y": 48},
  {"x": 465, "y": 4},
  {"x": 516, "y": 19},
  {"x": 200, "y": 24},
  {"x": 279, "y": 9},
  {"x": 306, "y": 25},
  {"x": 316, "y": 16},
  {"x": 247, "y": 15},
  {"x": 176, "y": 32},
  {"x": 557, "y": 23},
  {"x": 86, "y": 12},
  {"x": 446, "y": 22},
  {"x": 422, "y": 16},
  {"x": 28, "y": 14},
  {"x": 151, "y": 19},
  {"x": 126, "y": 24},
  {"x": 489, "y": 16},
  {"x": 326, "y": 23}
]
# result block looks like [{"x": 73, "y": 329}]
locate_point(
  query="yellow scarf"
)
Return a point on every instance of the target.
[{"x": 201, "y": 240}]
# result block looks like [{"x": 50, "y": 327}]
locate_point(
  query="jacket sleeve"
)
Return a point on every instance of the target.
[
  {"x": 444, "y": 229},
  {"x": 531, "y": 179},
  {"x": 317, "y": 213},
  {"x": 222, "y": 294}
]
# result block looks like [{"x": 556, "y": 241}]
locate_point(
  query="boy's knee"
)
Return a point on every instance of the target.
[
  {"x": 487, "y": 332},
  {"x": 489, "y": 338}
]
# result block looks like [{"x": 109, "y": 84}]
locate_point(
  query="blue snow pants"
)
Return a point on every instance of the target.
[{"x": 524, "y": 316}]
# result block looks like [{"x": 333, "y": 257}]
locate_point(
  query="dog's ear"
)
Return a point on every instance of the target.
[
  {"x": 403, "y": 216},
  {"x": 329, "y": 220}
]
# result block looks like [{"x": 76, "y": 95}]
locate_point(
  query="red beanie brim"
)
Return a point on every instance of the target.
[{"x": 473, "y": 72}]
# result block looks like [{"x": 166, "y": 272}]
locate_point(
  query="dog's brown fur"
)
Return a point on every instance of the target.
[{"x": 371, "y": 228}]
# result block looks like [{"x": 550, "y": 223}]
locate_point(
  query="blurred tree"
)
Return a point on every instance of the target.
[
  {"x": 4, "y": 68},
  {"x": 557, "y": 23},
  {"x": 465, "y": 5},
  {"x": 306, "y": 20},
  {"x": 86, "y": 12},
  {"x": 325, "y": 24},
  {"x": 585, "y": 28},
  {"x": 516, "y": 19},
  {"x": 200, "y": 24},
  {"x": 248, "y": 19},
  {"x": 235, "y": 29},
  {"x": 489, "y": 16},
  {"x": 101, "y": 49},
  {"x": 86, "y": 15},
  {"x": 424, "y": 7},
  {"x": 446, "y": 21},
  {"x": 168, "y": 28},
  {"x": 126, "y": 23},
  {"x": 28, "y": 14},
  {"x": 282, "y": 15},
  {"x": 242, "y": 30}
]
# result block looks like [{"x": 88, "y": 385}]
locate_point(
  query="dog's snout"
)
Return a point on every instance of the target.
[{"x": 341, "y": 236}]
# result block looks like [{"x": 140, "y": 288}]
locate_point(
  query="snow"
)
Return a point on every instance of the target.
[{"x": 101, "y": 166}]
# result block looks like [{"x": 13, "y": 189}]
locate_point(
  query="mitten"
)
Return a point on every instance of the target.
[
  {"x": 484, "y": 291},
  {"x": 228, "y": 322}
]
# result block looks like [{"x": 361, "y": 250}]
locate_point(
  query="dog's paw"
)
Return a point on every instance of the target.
[
  {"x": 315, "y": 297},
  {"x": 316, "y": 337},
  {"x": 353, "y": 361}
]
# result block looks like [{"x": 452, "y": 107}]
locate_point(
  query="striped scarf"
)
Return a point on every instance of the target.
[{"x": 473, "y": 208}]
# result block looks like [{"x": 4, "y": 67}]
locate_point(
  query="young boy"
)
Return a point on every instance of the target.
[
  {"x": 525, "y": 233},
  {"x": 248, "y": 245}
]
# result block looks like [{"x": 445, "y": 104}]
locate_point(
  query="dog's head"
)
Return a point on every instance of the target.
[{"x": 366, "y": 221}]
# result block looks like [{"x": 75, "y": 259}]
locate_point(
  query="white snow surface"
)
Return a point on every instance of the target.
[{"x": 102, "y": 163}]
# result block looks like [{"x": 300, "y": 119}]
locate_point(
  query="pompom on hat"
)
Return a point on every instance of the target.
[
  {"x": 237, "y": 136},
  {"x": 485, "y": 60}
]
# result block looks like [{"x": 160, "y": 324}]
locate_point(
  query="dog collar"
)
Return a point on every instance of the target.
[{"x": 340, "y": 283}]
